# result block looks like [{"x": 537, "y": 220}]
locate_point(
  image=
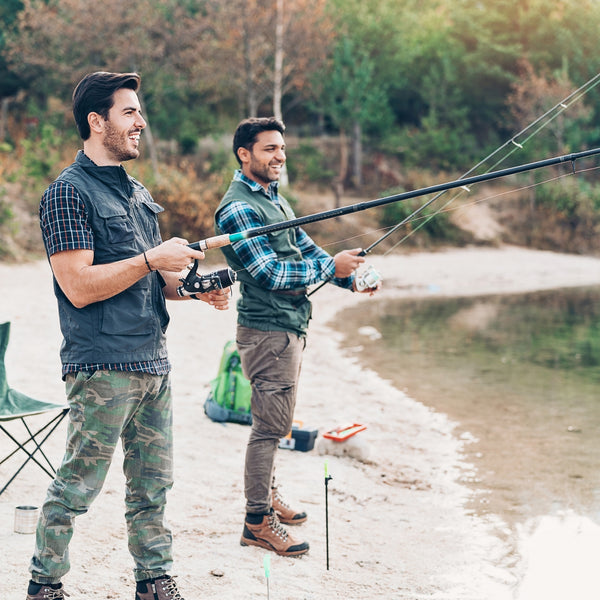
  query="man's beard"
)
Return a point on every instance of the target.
[
  {"x": 262, "y": 173},
  {"x": 116, "y": 145}
]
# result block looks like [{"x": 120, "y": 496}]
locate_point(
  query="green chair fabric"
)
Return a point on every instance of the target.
[{"x": 15, "y": 405}]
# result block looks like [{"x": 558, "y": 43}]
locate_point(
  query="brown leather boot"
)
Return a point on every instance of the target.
[
  {"x": 47, "y": 593},
  {"x": 271, "y": 535},
  {"x": 284, "y": 512},
  {"x": 163, "y": 588}
]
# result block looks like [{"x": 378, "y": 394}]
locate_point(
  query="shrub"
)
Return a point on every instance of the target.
[
  {"x": 189, "y": 202},
  {"x": 309, "y": 165},
  {"x": 6, "y": 217},
  {"x": 428, "y": 224},
  {"x": 566, "y": 216}
]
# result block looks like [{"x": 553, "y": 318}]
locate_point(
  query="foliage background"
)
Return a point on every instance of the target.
[{"x": 377, "y": 95}]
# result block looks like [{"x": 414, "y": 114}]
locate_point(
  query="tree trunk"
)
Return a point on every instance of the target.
[
  {"x": 357, "y": 154},
  {"x": 338, "y": 182},
  {"x": 278, "y": 78},
  {"x": 251, "y": 98},
  {"x": 278, "y": 69},
  {"x": 4, "y": 118},
  {"x": 150, "y": 138}
]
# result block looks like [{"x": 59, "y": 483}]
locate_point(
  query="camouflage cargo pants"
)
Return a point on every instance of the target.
[{"x": 104, "y": 407}]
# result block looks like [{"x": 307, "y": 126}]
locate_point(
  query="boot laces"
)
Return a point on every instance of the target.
[
  {"x": 170, "y": 587},
  {"x": 279, "y": 499},
  {"x": 277, "y": 528},
  {"x": 52, "y": 594}
]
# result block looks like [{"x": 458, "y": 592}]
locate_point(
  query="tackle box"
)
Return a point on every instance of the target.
[{"x": 299, "y": 438}]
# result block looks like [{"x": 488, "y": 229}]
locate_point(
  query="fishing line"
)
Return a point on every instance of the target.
[
  {"x": 445, "y": 209},
  {"x": 559, "y": 108},
  {"x": 508, "y": 192},
  {"x": 475, "y": 202}
]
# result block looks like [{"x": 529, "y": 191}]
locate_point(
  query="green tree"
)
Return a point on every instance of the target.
[
  {"x": 354, "y": 100},
  {"x": 10, "y": 83},
  {"x": 79, "y": 36}
]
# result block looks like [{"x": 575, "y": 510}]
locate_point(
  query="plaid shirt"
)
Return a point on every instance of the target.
[
  {"x": 64, "y": 224},
  {"x": 259, "y": 258}
]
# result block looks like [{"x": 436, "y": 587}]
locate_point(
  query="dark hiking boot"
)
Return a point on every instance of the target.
[
  {"x": 285, "y": 514},
  {"x": 45, "y": 592},
  {"x": 271, "y": 535},
  {"x": 162, "y": 588}
]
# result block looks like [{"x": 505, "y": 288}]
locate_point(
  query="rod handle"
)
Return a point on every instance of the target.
[{"x": 217, "y": 241}]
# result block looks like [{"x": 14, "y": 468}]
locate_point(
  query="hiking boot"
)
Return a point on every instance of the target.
[
  {"x": 271, "y": 535},
  {"x": 162, "y": 588},
  {"x": 285, "y": 514},
  {"x": 46, "y": 593}
]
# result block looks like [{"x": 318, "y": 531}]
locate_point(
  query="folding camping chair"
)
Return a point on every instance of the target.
[{"x": 15, "y": 405}]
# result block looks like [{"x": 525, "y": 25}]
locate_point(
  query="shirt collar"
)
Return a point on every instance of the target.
[
  {"x": 114, "y": 177},
  {"x": 272, "y": 191}
]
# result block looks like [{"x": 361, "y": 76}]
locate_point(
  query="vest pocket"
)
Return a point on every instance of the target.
[
  {"x": 116, "y": 223},
  {"x": 129, "y": 313}
]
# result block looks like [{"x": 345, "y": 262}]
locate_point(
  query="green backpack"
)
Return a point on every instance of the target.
[{"x": 230, "y": 391}]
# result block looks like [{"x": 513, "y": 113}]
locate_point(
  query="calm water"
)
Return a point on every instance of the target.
[{"x": 519, "y": 374}]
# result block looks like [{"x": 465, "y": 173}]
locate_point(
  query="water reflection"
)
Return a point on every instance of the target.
[
  {"x": 520, "y": 374},
  {"x": 560, "y": 556}
]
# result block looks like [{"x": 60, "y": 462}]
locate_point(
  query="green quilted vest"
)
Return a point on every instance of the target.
[{"x": 258, "y": 307}]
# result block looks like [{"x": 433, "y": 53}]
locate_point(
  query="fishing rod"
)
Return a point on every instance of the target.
[
  {"x": 558, "y": 109},
  {"x": 194, "y": 283},
  {"x": 226, "y": 239}
]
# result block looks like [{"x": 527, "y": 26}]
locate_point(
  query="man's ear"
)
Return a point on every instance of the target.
[
  {"x": 243, "y": 154},
  {"x": 96, "y": 122}
]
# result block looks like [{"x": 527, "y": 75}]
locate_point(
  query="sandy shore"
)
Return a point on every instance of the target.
[{"x": 398, "y": 527}]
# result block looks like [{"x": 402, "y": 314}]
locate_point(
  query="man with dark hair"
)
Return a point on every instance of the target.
[
  {"x": 112, "y": 273},
  {"x": 273, "y": 314}
]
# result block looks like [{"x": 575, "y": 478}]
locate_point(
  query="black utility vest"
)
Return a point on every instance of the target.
[{"x": 130, "y": 326}]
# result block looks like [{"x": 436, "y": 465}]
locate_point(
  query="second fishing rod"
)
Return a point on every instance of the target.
[
  {"x": 226, "y": 239},
  {"x": 193, "y": 283}
]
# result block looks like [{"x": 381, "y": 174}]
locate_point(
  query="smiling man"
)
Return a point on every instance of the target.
[
  {"x": 273, "y": 312},
  {"x": 112, "y": 273}
]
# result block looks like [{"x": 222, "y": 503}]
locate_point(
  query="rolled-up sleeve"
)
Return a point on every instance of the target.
[
  {"x": 63, "y": 219},
  {"x": 261, "y": 261}
]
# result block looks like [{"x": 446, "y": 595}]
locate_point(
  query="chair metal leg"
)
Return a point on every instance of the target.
[{"x": 53, "y": 424}]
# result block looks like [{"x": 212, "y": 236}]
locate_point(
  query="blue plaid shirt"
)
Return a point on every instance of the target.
[
  {"x": 64, "y": 224},
  {"x": 259, "y": 258}
]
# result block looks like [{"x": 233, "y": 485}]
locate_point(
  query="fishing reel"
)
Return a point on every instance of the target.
[
  {"x": 367, "y": 280},
  {"x": 200, "y": 284}
]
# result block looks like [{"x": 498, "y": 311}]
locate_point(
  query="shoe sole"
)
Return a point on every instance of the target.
[{"x": 261, "y": 544}]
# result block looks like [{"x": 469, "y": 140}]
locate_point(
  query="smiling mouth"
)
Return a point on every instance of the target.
[{"x": 135, "y": 136}]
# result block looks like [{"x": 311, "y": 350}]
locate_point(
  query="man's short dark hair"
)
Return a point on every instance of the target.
[
  {"x": 94, "y": 93},
  {"x": 247, "y": 131}
]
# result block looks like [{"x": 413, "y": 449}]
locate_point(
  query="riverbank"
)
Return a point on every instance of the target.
[{"x": 398, "y": 527}]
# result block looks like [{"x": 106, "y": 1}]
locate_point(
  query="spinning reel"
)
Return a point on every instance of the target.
[
  {"x": 367, "y": 280},
  {"x": 200, "y": 284}
]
